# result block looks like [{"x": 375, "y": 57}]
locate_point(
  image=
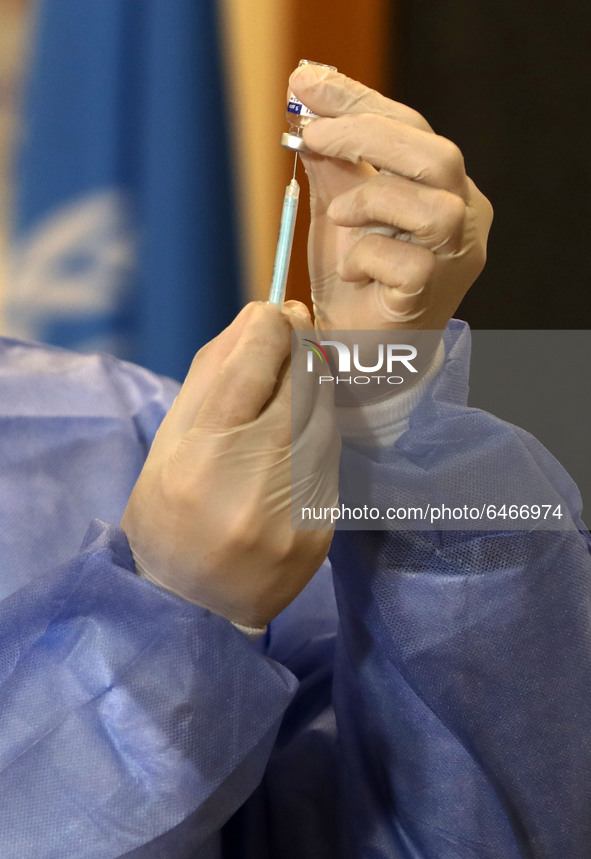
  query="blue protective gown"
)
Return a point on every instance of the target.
[{"x": 434, "y": 702}]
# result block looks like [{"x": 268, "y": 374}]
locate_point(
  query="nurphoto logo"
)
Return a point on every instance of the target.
[{"x": 388, "y": 356}]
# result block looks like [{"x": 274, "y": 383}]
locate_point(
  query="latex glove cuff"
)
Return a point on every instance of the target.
[
  {"x": 251, "y": 632},
  {"x": 381, "y": 423}
]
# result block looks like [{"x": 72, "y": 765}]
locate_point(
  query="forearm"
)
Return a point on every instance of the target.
[{"x": 125, "y": 709}]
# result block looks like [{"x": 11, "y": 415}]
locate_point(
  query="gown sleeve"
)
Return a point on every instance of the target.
[
  {"x": 462, "y": 686},
  {"x": 125, "y": 711},
  {"x": 131, "y": 722}
]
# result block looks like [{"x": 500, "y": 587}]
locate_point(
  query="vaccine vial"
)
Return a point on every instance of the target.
[{"x": 298, "y": 116}]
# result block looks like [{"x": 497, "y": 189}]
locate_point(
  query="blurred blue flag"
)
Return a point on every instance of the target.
[{"x": 125, "y": 239}]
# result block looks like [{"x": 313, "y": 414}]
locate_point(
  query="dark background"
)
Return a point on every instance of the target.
[{"x": 510, "y": 84}]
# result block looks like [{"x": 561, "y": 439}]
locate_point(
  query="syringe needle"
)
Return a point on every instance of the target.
[{"x": 295, "y": 164}]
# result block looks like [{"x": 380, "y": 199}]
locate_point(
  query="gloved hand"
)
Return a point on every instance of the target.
[
  {"x": 398, "y": 248},
  {"x": 210, "y": 515}
]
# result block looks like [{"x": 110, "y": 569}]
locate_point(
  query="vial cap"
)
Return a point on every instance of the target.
[{"x": 293, "y": 142}]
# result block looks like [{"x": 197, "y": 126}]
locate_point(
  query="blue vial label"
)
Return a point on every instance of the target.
[{"x": 294, "y": 107}]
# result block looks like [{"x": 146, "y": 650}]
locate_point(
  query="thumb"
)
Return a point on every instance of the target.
[{"x": 202, "y": 375}]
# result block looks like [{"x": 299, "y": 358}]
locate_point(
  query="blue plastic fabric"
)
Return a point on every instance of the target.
[
  {"x": 125, "y": 239},
  {"x": 441, "y": 711}
]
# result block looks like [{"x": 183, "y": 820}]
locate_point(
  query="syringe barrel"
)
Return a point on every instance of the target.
[{"x": 284, "y": 243}]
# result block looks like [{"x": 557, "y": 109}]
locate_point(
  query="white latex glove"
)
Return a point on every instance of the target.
[
  {"x": 210, "y": 515},
  {"x": 362, "y": 279}
]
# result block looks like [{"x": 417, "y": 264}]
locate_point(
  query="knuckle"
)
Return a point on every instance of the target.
[
  {"x": 417, "y": 119},
  {"x": 201, "y": 354},
  {"x": 452, "y": 216},
  {"x": 479, "y": 256},
  {"x": 270, "y": 340},
  {"x": 243, "y": 532},
  {"x": 263, "y": 314},
  {"x": 343, "y": 266},
  {"x": 404, "y": 279},
  {"x": 361, "y": 200},
  {"x": 451, "y": 157},
  {"x": 250, "y": 313},
  {"x": 373, "y": 244},
  {"x": 445, "y": 217},
  {"x": 348, "y": 94},
  {"x": 251, "y": 307},
  {"x": 176, "y": 485},
  {"x": 381, "y": 198},
  {"x": 281, "y": 545},
  {"x": 455, "y": 211},
  {"x": 350, "y": 137},
  {"x": 416, "y": 268},
  {"x": 367, "y": 252}
]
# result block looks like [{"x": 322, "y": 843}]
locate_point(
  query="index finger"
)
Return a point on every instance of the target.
[{"x": 330, "y": 93}]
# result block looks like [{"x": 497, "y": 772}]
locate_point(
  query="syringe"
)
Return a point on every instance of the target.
[{"x": 285, "y": 240}]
